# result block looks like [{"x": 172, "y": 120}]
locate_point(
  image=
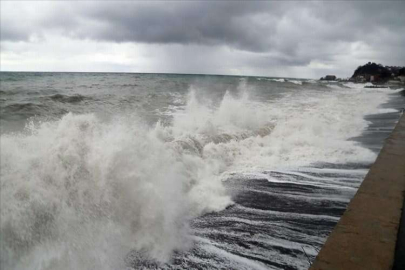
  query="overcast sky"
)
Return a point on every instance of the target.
[{"x": 287, "y": 39}]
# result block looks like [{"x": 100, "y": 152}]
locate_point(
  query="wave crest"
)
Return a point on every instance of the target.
[
  {"x": 81, "y": 186},
  {"x": 67, "y": 98}
]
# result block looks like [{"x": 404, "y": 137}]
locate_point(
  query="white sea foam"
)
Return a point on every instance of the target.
[
  {"x": 311, "y": 81},
  {"x": 80, "y": 193},
  {"x": 308, "y": 127},
  {"x": 295, "y": 82},
  {"x": 334, "y": 86},
  {"x": 276, "y": 80},
  {"x": 357, "y": 85}
]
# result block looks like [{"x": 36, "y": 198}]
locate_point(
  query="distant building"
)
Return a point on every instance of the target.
[
  {"x": 360, "y": 79},
  {"x": 329, "y": 78}
]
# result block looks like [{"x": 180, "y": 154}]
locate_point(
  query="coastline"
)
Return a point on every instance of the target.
[{"x": 366, "y": 235}]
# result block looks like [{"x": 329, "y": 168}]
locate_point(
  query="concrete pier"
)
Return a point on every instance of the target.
[{"x": 366, "y": 235}]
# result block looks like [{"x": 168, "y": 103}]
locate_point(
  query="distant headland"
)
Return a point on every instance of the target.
[{"x": 374, "y": 73}]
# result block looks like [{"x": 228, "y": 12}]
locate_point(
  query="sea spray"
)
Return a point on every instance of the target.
[
  {"x": 85, "y": 192},
  {"x": 92, "y": 191},
  {"x": 89, "y": 189},
  {"x": 308, "y": 127}
]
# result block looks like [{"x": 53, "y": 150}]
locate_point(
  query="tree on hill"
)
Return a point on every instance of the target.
[{"x": 373, "y": 69}]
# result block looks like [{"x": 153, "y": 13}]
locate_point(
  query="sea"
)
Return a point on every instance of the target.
[{"x": 174, "y": 171}]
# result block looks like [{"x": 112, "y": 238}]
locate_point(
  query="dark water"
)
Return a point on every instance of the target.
[{"x": 118, "y": 171}]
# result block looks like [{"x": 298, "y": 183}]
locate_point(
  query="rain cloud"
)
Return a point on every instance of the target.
[{"x": 250, "y": 38}]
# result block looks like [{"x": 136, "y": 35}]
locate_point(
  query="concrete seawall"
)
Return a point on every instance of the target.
[{"x": 366, "y": 235}]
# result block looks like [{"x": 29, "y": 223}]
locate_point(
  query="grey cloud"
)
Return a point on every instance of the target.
[
  {"x": 236, "y": 24},
  {"x": 11, "y": 34},
  {"x": 219, "y": 23},
  {"x": 250, "y": 26},
  {"x": 279, "y": 33}
]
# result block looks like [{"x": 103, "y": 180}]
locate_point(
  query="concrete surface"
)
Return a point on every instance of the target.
[{"x": 366, "y": 235}]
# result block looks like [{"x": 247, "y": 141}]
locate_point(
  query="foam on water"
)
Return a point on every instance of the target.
[
  {"x": 295, "y": 82},
  {"x": 276, "y": 80},
  {"x": 92, "y": 191},
  {"x": 308, "y": 127},
  {"x": 82, "y": 193}
]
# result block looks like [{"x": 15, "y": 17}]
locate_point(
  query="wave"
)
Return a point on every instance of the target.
[
  {"x": 27, "y": 108},
  {"x": 295, "y": 82},
  {"x": 271, "y": 79},
  {"x": 79, "y": 186},
  {"x": 334, "y": 86},
  {"x": 357, "y": 85},
  {"x": 83, "y": 193},
  {"x": 130, "y": 85},
  {"x": 68, "y": 99},
  {"x": 19, "y": 91},
  {"x": 311, "y": 81},
  {"x": 276, "y": 80},
  {"x": 196, "y": 146}
]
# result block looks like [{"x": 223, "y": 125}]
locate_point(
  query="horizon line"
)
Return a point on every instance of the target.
[{"x": 161, "y": 73}]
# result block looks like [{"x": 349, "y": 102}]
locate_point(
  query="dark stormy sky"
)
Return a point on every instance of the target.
[{"x": 288, "y": 39}]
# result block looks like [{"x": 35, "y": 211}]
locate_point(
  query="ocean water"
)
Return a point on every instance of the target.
[{"x": 155, "y": 171}]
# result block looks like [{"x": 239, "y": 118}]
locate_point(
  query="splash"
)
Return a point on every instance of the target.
[
  {"x": 85, "y": 193},
  {"x": 82, "y": 193}
]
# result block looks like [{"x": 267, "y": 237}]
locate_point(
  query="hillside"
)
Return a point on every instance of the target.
[{"x": 376, "y": 72}]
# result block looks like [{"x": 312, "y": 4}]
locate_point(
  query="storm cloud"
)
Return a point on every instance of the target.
[{"x": 253, "y": 37}]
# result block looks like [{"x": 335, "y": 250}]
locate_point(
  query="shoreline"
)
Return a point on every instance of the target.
[{"x": 366, "y": 235}]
